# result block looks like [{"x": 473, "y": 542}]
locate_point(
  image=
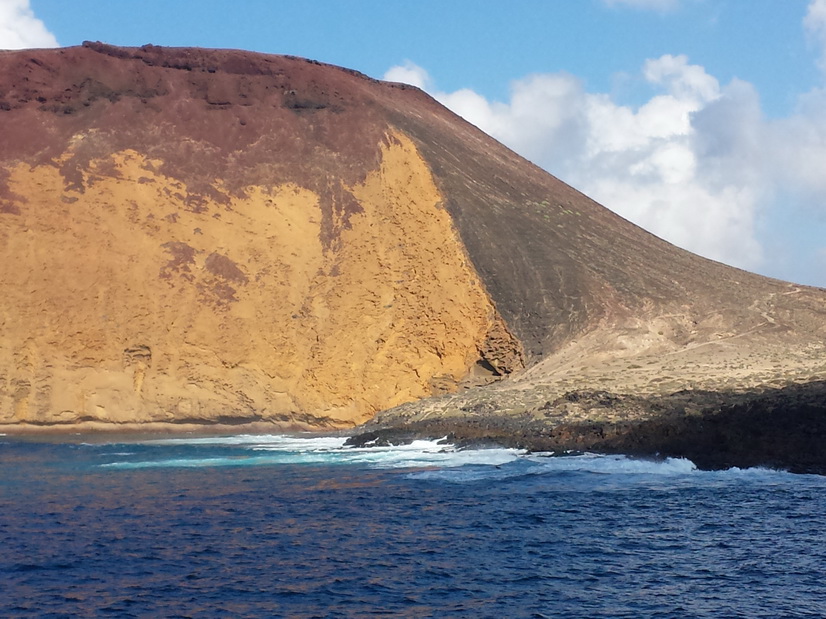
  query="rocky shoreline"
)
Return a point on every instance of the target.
[{"x": 782, "y": 428}]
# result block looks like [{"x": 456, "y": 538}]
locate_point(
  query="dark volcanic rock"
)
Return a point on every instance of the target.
[
  {"x": 783, "y": 428},
  {"x": 779, "y": 428}
]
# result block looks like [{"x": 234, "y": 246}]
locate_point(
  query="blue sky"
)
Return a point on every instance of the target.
[{"x": 704, "y": 121}]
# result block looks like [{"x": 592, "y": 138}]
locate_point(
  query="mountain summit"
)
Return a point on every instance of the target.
[{"x": 215, "y": 236}]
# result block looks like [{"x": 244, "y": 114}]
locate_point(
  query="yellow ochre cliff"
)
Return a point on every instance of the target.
[{"x": 125, "y": 305}]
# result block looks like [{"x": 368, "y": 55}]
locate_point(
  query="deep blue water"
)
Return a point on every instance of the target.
[{"x": 279, "y": 527}]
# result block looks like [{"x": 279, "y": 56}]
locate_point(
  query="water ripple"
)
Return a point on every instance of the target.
[{"x": 449, "y": 534}]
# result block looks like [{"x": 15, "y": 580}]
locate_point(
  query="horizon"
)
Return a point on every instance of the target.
[{"x": 699, "y": 120}]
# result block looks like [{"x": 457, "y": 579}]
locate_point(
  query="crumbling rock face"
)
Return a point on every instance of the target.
[
  {"x": 501, "y": 351},
  {"x": 311, "y": 294}
]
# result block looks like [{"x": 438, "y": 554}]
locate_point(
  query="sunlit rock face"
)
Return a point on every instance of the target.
[
  {"x": 220, "y": 236},
  {"x": 210, "y": 236}
]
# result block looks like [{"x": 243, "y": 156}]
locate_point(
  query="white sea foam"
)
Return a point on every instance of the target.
[
  {"x": 427, "y": 454},
  {"x": 438, "y": 459},
  {"x": 608, "y": 469},
  {"x": 276, "y": 441},
  {"x": 615, "y": 464},
  {"x": 545, "y": 464},
  {"x": 195, "y": 462},
  {"x": 256, "y": 450}
]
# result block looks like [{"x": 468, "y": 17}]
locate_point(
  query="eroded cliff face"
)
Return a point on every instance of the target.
[{"x": 125, "y": 302}]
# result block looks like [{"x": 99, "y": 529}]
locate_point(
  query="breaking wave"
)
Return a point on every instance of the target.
[
  {"x": 428, "y": 459},
  {"x": 251, "y": 450}
]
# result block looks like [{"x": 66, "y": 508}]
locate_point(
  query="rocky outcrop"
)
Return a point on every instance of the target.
[{"x": 778, "y": 428}]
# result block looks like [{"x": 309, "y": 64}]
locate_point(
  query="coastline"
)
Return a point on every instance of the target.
[{"x": 780, "y": 428}]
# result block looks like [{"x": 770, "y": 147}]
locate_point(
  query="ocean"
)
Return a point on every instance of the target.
[{"x": 301, "y": 526}]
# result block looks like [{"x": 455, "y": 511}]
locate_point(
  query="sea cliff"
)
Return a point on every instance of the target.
[{"x": 223, "y": 239}]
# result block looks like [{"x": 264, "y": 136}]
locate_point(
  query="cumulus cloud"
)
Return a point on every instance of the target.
[
  {"x": 815, "y": 20},
  {"x": 19, "y": 28},
  {"x": 815, "y": 25},
  {"x": 541, "y": 119},
  {"x": 681, "y": 165},
  {"x": 798, "y": 147},
  {"x": 678, "y": 165}
]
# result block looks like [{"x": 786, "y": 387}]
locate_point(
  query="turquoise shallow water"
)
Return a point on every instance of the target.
[{"x": 302, "y": 527}]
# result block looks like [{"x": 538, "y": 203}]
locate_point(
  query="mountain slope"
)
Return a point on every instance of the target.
[{"x": 217, "y": 236}]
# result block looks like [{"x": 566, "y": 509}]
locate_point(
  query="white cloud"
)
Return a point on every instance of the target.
[
  {"x": 797, "y": 145},
  {"x": 815, "y": 25},
  {"x": 543, "y": 116},
  {"x": 19, "y": 28},
  {"x": 815, "y": 20},
  {"x": 655, "y": 164},
  {"x": 682, "y": 80}
]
